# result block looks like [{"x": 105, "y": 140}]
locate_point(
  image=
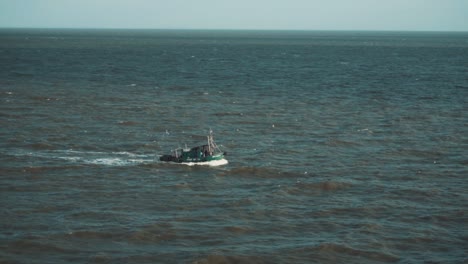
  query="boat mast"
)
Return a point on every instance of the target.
[{"x": 210, "y": 141}]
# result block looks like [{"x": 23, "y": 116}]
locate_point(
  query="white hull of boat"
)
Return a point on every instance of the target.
[{"x": 211, "y": 163}]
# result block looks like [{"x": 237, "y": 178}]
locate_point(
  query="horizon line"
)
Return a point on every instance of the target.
[{"x": 239, "y": 29}]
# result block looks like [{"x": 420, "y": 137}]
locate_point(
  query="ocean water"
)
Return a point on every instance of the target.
[{"x": 343, "y": 147}]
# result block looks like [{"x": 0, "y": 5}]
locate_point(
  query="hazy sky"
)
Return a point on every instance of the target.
[{"x": 433, "y": 15}]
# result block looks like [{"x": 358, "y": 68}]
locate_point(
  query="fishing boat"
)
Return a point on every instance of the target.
[{"x": 207, "y": 154}]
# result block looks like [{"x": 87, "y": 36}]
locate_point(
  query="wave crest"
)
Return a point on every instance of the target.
[
  {"x": 218, "y": 259},
  {"x": 324, "y": 186}
]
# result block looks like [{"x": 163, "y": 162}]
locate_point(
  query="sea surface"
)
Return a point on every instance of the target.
[{"x": 343, "y": 147}]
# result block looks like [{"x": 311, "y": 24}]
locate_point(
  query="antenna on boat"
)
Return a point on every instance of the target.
[{"x": 210, "y": 139}]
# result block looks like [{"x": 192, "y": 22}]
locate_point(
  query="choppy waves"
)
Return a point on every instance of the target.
[{"x": 343, "y": 147}]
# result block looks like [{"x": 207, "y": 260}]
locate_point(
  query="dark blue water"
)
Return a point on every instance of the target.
[{"x": 343, "y": 147}]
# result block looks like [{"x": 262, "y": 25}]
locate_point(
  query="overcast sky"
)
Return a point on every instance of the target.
[{"x": 426, "y": 15}]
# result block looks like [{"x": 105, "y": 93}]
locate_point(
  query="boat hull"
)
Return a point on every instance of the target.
[
  {"x": 212, "y": 163},
  {"x": 204, "y": 154},
  {"x": 182, "y": 159}
]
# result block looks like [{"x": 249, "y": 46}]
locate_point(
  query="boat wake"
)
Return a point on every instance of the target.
[{"x": 121, "y": 158}]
